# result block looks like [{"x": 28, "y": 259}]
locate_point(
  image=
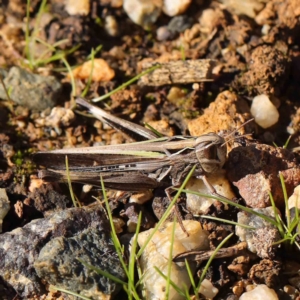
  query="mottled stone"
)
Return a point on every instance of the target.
[
  {"x": 20, "y": 248},
  {"x": 261, "y": 239},
  {"x": 58, "y": 263}
]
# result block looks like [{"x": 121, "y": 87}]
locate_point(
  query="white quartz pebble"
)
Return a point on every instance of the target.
[
  {"x": 294, "y": 200},
  {"x": 142, "y": 12},
  {"x": 175, "y": 7},
  {"x": 157, "y": 255},
  {"x": 75, "y": 7},
  {"x": 207, "y": 289},
  {"x": 198, "y": 205},
  {"x": 264, "y": 111},
  {"x": 261, "y": 292}
]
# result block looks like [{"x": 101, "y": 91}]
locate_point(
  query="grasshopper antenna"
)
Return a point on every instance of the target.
[{"x": 235, "y": 131}]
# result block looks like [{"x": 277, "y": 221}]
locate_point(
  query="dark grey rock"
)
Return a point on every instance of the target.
[
  {"x": 33, "y": 91},
  {"x": 58, "y": 264},
  {"x": 20, "y": 248},
  {"x": 180, "y": 23}
]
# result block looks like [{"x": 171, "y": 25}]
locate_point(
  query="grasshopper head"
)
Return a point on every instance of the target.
[{"x": 211, "y": 152}]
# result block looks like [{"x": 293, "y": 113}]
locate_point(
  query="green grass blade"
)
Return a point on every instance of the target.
[
  {"x": 96, "y": 51},
  {"x": 168, "y": 210},
  {"x": 73, "y": 84},
  {"x": 126, "y": 84},
  {"x": 211, "y": 259},
  {"x": 172, "y": 283},
  {"x": 227, "y": 201},
  {"x": 287, "y": 142},
  {"x": 154, "y": 130},
  {"x": 279, "y": 224},
  {"x": 170, "y": 262},
  {"x": 103, "y": 273},
  {"x": 285, "y": 196},
  {"x": 88, "y": 84},
  {"x": 75, "y": 203},
  {"x": 227, "y": 221},
  {"x": 56, "y": 288},
  {"x": 119, "y": 248},
  {"x": 132, "y": 260},
  {"x": 191, "y": 277},
  {"x": 110, "y": 217},
  {"x": 27, "y": 36}
]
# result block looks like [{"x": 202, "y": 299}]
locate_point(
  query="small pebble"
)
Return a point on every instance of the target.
[
  {"x": 21, "y": 124},
  {"x": 118, "y": 224},
  {"x": 163, "y": 33},
  {"x": 101, "y": 70},
  {"x": 131, "y": 226},
  {"x": 265, "y": 29},
  {"x": 175, "y": 7},
  {"x": 248, "y": 8},
  {"x": 87, "y": 188},
  {"x": 111, "y": 26},
  {"x": 54, "y": 133},
  {"x": 294, "y": 200},
  {"x": 260, "y": 292},
  {"x": 141, "y": 198},
  {"x": 264, "y": 111},
  {"x": 198, "y": 205},
  {"x": 238, "y": 288},
  {"x": 207, "y": 289},
  {"x": 58, "y": 117},
  {"x": 209, "y": 19},
  {"x": 175, "y": 94},
  {"x": 289, "y": 289},
  {"x": 75, "y": 7},
  {"x": 180, "y": 23},
  {"x": 163, "y": 127},
  {"x": 141, "y": 12},
  {"x": 295, "y": 281},
  {"x": 98, "y": 124}
]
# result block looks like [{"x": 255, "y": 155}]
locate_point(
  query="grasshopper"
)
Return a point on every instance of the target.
[{"x": 147, "y": 164}]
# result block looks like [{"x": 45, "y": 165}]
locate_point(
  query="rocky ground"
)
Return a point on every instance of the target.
[{"x": 53, "y": 51}]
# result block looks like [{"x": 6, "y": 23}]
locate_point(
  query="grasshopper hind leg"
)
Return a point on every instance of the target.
[
  {"x": 168, "y": 192},
  {"x": 211, "y": 188}
]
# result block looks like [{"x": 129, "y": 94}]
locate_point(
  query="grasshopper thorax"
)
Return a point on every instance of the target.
[{"x": 211, "y": 152}]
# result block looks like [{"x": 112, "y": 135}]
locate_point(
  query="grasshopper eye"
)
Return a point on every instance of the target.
[{"x": 211, "y": 152}]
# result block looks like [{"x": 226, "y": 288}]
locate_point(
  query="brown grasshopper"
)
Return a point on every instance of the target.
[{"x": 150, "y": 163}]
